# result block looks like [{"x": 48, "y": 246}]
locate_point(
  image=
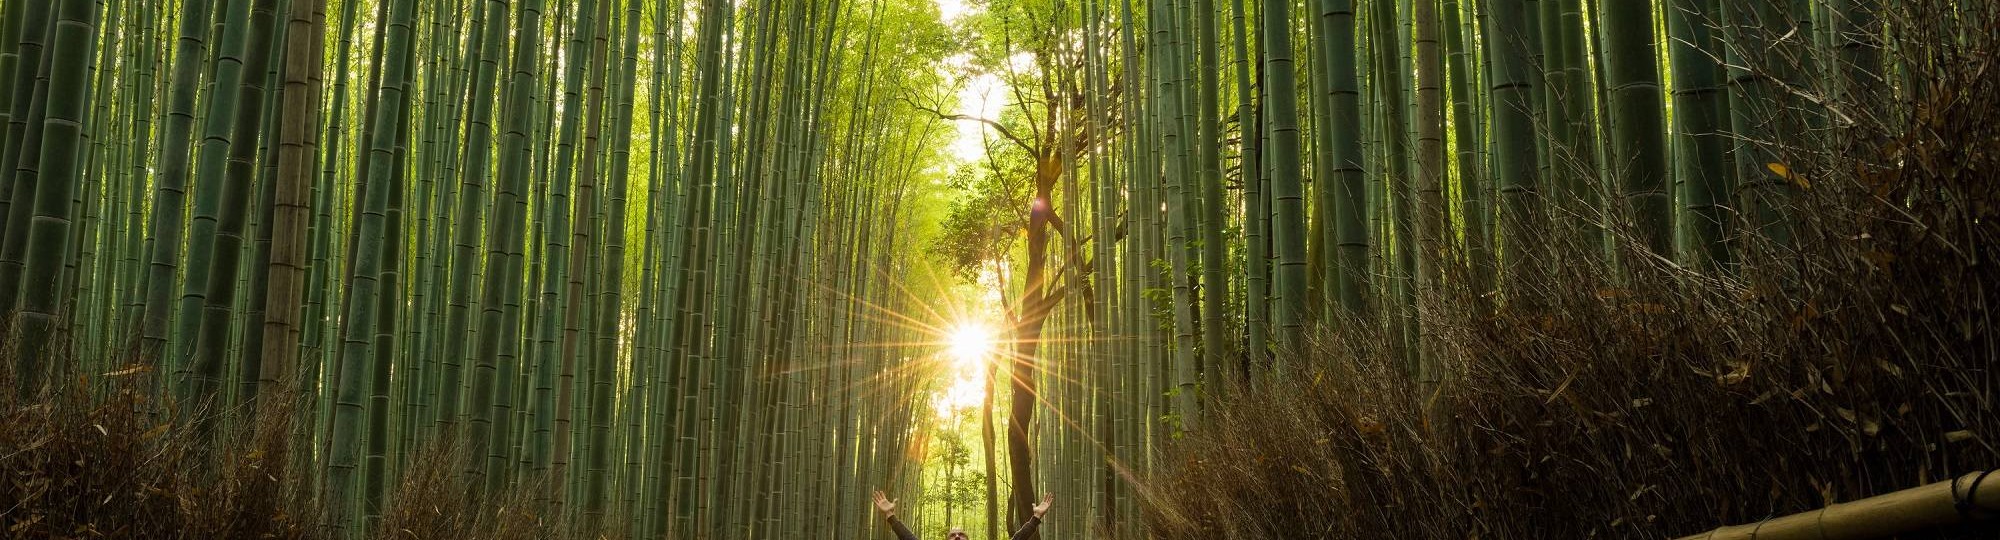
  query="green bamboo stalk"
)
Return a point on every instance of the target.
[
  {"x": 508, "y": 235},
  {"x": 12, "y": 21},
  {"x": 1700, "y": 140},
  {"x": 1638, "y": 125},
  {"x": 1568, "y": 118},
  {"x": 386, "y": 346},
  {"x": 251, "y": 332},
  {"x": 313, "y": 349},
  {"x": 604, "y": 353},
  {"x": 232, "y": 219},
  {"x": 1174, "y": 142},
  {"x": 456, "y": 403},
  {"x": 1432, "y": 174},
  {"x": 1514, "y": 168},
  {"x": 1218, "y": 347},
  {"x": 40, "y": 316},
  {"x": 86, "y": 278},
  {"x": 1466, "y": 115},
  {"x": 200, "y": 374},
  {"x": 140, "y": 138},
  {"x": 1756, "y": 59},
  {"x": 556, "y": 235},
  {"x": 1286, "y": 192},
  {"x": 19, "y": 168},
  {"x": 1256, "y": 224},
  {"x": 1388, "y": 46},
  {"x": 359, "y": 328}
]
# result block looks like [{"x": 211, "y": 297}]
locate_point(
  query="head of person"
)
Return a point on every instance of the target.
[{"x": 956, "y": 534}]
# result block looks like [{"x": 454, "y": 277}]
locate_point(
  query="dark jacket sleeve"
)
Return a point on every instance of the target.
[
  {"x": 1027, "y": 529},
  {"x": 902, "y": 533}
]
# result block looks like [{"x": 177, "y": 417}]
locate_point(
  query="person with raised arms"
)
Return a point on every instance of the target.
[{"x": 888, "y": 508}]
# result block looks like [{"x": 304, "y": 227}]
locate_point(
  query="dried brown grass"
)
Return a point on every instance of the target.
[{"x": 96, "y": 459}]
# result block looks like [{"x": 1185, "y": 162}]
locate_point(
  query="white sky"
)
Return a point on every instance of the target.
[
  {"x": 982, "y": 96},
  {"x": 951, "y": 10}
]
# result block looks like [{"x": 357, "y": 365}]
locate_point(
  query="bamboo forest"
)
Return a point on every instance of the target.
[{"x": 1029, "y": 269}]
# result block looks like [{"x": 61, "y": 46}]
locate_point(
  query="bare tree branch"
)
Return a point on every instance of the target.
[{"x": 1004, "y": 132}]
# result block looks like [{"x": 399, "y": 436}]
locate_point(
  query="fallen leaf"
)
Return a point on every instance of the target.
[
  {"x": 129, "y": 371},
  {"x": 1786, "y": 173},
  {"x": 1738, "y": 372}
]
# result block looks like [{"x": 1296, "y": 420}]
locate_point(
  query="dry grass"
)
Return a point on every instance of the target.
[
  {"x": 447, "y": 511},
  {"x": 1660, "y": 401},
  {"x": 97, "y": 460}
]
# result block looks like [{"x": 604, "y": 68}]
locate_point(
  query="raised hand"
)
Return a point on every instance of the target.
[
  {"x": 888, "y": 507},
  {"x": 1048, "y": 499}
]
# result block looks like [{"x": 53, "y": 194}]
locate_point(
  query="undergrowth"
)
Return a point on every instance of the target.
[
  {"x": 1659, "y": 400},
  {"x": 95, "y": 459}
]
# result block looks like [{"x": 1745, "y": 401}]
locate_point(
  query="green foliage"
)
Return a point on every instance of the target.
[{"x": 983, "y": 223}]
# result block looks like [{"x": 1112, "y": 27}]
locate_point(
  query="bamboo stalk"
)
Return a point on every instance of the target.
[{"x": 1880, "y": 516}]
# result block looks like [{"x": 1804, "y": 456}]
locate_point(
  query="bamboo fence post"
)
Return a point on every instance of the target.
[{"x": 1881, "y": 516}]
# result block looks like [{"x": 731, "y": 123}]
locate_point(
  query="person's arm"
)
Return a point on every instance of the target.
[
  {"x": 1028, "y": 529},
  {"x": 902, "y": 533},
  {"x": 888, "y": 508}
]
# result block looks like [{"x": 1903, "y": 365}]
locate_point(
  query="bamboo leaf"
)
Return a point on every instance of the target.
[{"x": 1786, "y": 173}]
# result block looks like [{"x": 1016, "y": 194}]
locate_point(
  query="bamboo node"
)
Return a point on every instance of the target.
[{"x": 1967, "y": 504}]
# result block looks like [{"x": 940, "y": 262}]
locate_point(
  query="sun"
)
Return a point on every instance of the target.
[
  {"x": 970, "y": 344},
  {"x": 968, "y": 347}
]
